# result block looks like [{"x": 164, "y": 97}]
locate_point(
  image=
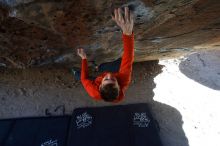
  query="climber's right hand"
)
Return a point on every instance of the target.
[
  {"x": 126, "y": 22},
  {"x": 81, "y": 53}
]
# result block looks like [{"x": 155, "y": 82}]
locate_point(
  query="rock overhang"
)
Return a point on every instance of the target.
[{"x": 41, "y": 33}]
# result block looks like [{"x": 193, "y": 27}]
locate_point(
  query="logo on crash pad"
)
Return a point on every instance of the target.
[
  {"x": 141, "y": 120},
  {"x": 50, "y": 143},
  {"x": 84, "y": 120}
]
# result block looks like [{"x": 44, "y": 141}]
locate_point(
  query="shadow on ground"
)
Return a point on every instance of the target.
[
  {"x": 203, "y": 67},
  {"x": 141, "y": 90},
  {"x": 53, "y": 91}
]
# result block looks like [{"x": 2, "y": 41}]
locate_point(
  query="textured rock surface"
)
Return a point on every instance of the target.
[{"x": 40, "y": 33}]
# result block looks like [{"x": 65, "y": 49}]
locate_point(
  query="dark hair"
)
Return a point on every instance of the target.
[{"x": 109, "y": 92}]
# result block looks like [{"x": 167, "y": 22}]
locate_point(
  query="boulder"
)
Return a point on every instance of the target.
[{"x": 43, "y": 33}]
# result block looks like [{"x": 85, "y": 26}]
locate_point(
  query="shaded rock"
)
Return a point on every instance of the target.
[{"x": 41, "y": 33}]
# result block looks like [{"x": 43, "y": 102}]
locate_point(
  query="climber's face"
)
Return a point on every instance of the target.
[{"x": 109, "y": 79}]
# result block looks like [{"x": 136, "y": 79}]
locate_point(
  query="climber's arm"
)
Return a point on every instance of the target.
[
  {"x": 87, "y": 84},
  {"x": 126, "y": 23}
]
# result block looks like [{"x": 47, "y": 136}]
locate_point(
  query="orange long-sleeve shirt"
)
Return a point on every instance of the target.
[{"x": 123, "y": 76}]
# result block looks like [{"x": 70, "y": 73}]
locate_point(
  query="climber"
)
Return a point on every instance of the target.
[{"x": 110, "y": 86}]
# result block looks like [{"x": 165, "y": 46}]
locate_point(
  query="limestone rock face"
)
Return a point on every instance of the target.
[{"x": 37, "y": 33}]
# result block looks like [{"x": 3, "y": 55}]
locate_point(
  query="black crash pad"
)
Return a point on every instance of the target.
[
  {"x": 44, "y": 131},
  {"x": 124, "y": 125}
]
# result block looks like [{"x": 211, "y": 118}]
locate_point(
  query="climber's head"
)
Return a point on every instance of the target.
[{"x": 109, "y": 88}]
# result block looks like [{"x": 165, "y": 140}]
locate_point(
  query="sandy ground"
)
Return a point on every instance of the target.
[
  {"x": 183, "y": 94},
  {"x": 192, "y": 86}
]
